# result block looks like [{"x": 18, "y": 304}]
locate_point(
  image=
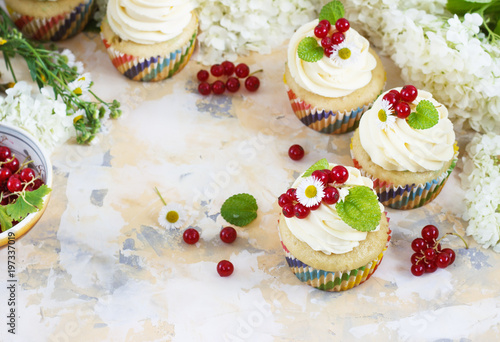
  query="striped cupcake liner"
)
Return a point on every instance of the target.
[
  {"x": 333, "y": 281},
  {"x": 151, "y": 68},
  {"x": 324, "y": 120},
  {"x": 409, "y": 196},
  {"x": 60, "y": 27}
]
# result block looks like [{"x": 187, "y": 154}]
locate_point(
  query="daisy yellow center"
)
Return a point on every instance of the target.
[
  {"x": 382, "y": 115},
  {"x": 172, "y": 216},
  {"x": 78, "y": 91},
  {"x": 311, "y": 191},
  {"x": 344, "y": 53}
]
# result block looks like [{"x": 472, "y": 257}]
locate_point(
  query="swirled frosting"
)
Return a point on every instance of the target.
[
  {"x": 323, "y": 229},
  {"x": 402, "y": 148},
  {"x": 324, "y": 77},
  {"x": 148, "y": 21}
]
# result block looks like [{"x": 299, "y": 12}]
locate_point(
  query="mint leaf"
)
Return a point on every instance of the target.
[
  {"x": 5, "y": 220},
  {"x": 332, "y": 12},
  {"x": 360, "y": 209},
  {"x": 240, "y": 209},
  {"x": 309, "y": 50},
  {"x": 426, "y": 116},
  {"x": 30, "y": 202},
  {"x": 319, "y": 165}
]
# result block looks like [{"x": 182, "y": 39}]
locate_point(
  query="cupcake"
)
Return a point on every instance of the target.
[
  {"x": 50, "y": 20},
  {"x": 149, "y": 40},
  {"x": 406, "y": 144},
  {"x": 332, "y": 76},
  {"x": 332, "y": 228}
]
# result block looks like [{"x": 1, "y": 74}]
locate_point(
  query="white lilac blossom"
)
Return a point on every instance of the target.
[
  {"x": 444, "y": 55},
  {"x": 481, "y": 181},
  {"x": 40, "y": 114}
]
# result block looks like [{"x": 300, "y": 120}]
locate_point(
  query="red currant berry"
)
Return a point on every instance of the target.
[
  {"x": 191, "y": 236},
  {"x": 218, "y": 87},
  {"x": 331, "y": 195},
  {"x": 14, "y": 184},
  {"x": 391, "y": 98},
  {"x": 202, "y": 75},
  {"x": 337, "y": 38},
  {"x": 403, "y": 110},
  {"x": 233, "y": 84},
  {"x": 321, "y": 176},
  {"x": 217, "y": 70},
  {"x": 283, "y": 200},
  {"x": 418, "y": 245},
  {"x": 252, "y": 83},
  {"x": 430, "y": 267},
  {"x": 342, "y": 25},
  {"x": 301, "y": 211},
  {"x": 320, "y": 31},
  {"x": 416, "y": 258},
  {"x": 5, "y": 173},
  {"x": 396, "y": 93},
  {"x": 228, "y": 68},
  {"x": 430, "y": 254},
  {"x": 5, "y": 153},
  {"x": 340, "y": 175},
  {"x": 13, "y": 165},
  {"x": 326, "y": 42},
  {"x": 315, "y": 207},
  {"x": 225, "y": 268},
  {"x": 325, "y": 23},
  {"x": 204, "y": 88},
  {"x": 38, "y": 183},
  {"x": 328, "y": 50},
  {"x": 228, "y": 234},
  {"x": 242, "y": 70},
  {"x": 291, "y": 193},
  {"x": 328, "y": 172},
  {"x": 451, "y": 254},
  {"x": 409, "y": 93},
  {"x": 430, "y": 233},
  {"x": 288, "y": 210},
  {"x": 27, "y": 174},
  {"x": 296, "y": 152},
  {"x": 442, "y": 260},
  {"x": 417, "y": 270}
]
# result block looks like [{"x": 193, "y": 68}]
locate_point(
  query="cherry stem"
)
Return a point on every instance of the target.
[
  {"x": 466, "y": 245},
  {"x": 158, "y": 192},
  {"x": 253, "y": 73}
]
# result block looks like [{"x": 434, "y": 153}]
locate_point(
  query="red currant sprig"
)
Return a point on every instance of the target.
[
  {"x": 429, "y": 256},
  {"x": 400, "y": 101},
  {"x": 232, "y": 84},
  {"x": 331, "y": 36}
]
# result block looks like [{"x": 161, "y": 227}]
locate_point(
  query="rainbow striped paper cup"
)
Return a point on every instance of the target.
[{"x": 55, "y": 28}]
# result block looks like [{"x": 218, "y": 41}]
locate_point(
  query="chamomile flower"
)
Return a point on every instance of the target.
[
  {"x": 345, "y": 54},
  {"x": 343, "y": 192},
  {"x": 310, "y": 191},
  {"x": 172, "y": 216},
  {"x": 81, "y": 85},
  {"x": 386, "y": 119}
]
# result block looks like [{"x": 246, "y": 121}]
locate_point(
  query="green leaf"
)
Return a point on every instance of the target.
[
  {"x": 29, "y": 202},
  {"x": 309, "y": 50},
  {"x": 5, "y": 220},
  {"x": 497, "y": 28},
  {"x": 240, "y": 209},
  {"x": 426, "y": 116},
  {"x": 461, "y": 7},
  {"x": 360, "y": 209},
  {"x": 332, "y": 12},
  {"x": 319, "y": 165}
]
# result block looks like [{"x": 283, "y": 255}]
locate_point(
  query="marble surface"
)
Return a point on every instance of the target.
[{"x": 98, "y": 267}]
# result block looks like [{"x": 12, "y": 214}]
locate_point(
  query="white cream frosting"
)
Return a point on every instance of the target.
[
  {"x": 324, "y": 77},
  {"x": 403, "y": 148},
  {"x": 148, "y": 21},
  {"x": 323, "y": 230}
]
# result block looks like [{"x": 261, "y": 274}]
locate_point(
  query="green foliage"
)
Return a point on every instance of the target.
[
  {"x": 240, "y": 209},
  {"x": 360, "y": 209},
  {"x": 425, "y": 116}
]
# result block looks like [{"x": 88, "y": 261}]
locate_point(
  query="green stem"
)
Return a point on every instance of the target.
[
  {"x": 158, "y": 192},
  {"x": 466, "y": 245}
]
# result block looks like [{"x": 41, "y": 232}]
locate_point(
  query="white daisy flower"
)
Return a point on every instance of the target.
[
  {"x": 385, "y": 116},
  {"x": 172, "y": 216},
  {"x": 343, "y": 192},
  {"x": 81, "y": 85},
  {"x": 345, "y": 54},
  {"x": 310, "y": 191}
]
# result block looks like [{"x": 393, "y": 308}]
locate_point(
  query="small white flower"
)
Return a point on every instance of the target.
[
  {"x": 345, "y": 54},
  {"x": 343, "y": 192},
  {"x": 81, "y": 85},
  {"x": 69, "y": 56},
  {"x": 385, "y": 116},
  {"x": 172, "y": 216},
  {"x": 310, "y": 191}
]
